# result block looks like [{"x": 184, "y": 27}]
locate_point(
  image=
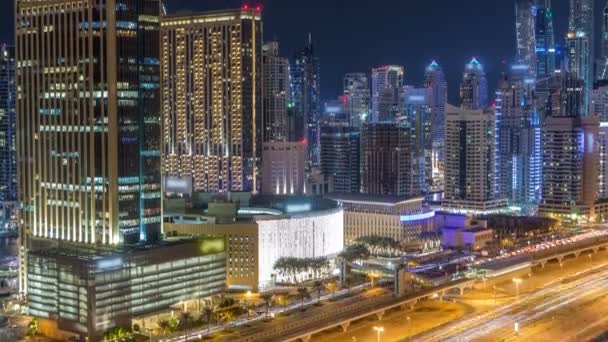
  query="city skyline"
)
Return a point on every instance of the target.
[{"x": 484, "y": 29}]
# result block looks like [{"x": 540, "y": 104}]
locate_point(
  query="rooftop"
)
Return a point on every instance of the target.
[{"x": 374, "y": 199}]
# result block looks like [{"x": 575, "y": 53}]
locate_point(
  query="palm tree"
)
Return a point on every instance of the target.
[
  {"x": 267, "y": 298},
  {"x": 303, "y": 293},
  {"x": 208, "y": 312},
  {"x": 318, "y": 286},
  {"x": 164, "y": 326},
  {"x": 185, "y": 320}
]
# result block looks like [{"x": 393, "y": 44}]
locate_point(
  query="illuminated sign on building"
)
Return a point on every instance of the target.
[{"x": 417, "y": 217}]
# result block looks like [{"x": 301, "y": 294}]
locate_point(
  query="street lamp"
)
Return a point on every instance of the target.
[
  {"x": 248, "y": 296},
  {"x": 379, "y": 330},
  {"x": 517, "y": 281},
  {"x": 409, "y": 328},
  {"x": 590, "y": 259}
]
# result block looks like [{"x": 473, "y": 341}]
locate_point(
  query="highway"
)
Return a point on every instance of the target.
[{"x": 531, "y": 312}]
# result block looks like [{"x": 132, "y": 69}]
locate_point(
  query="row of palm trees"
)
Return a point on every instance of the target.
[{"x": 296, "y": 270}]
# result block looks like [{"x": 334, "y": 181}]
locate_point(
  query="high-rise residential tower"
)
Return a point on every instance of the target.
[
  {"x": 306, "y": 99},
  {"x": 580, "y": 64},
  {"x": 386, "y": 159},
  {"x": 212, "y": 101},
  {"x": 434, "y": 78},
  {"x": 417, "y": 115},
  {"x": 276, "y": 93},
  {"x": 470, "y": 160},
  {"x": 580, "y": 43},
  {"x": 8, "y": 127},
  {"x": 474, "y": 86},
  {"x": 88, "y": 92},
  {"x": 340, "y": 151},
  {"x": 525, "y": 33},
  {"x": 357, "y": 96},
  {"x": 386, "y": 85},
  {"x": 544, "y": 39},
  {"x": 518, "y": 136},
  {"x": 570, "y": 168},
  {"x": 602, "y": 65}
]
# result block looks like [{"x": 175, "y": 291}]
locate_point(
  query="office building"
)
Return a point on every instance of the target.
[
  {"x": 260, "y": 230},
  {"x": 544, "y": 39},
  {"x": 8, "y": 127},
  {"x": 580, "y": 64},
  {"x": 73, "y": 293},
  {"x": 417, "y": 114},
  {"x": 470, "y": 161},
  {"x": 525, "y": 33},
  {"x": 386, "y": 160},
  {"x": 357, "y": 94},
  {"x": 211, "y": 93},
  {"x": 386, "y": 85},
  {"x": 306, "y": 99},
  {"x": 404, "y": 219},
  {"x": 434, "y": 78},
  {"x": 474, "y": 87},
  {"x": 340, "y": 151},
  {"x": 276, "y": 94},
  {"x": 518, "y": 136},
  {"x": 89, "y": 126},
  {"x": 283, "y": 165},
  {"x": 570, "y": 168}
]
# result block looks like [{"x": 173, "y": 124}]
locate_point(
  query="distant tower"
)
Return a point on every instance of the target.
[
  {"x": 474, "y": 86},
  {"x": 579, "y": 47},
  {"x": 357, "y": 97},
  {"x": 417, "y": 113},
  {"x": 8, "y": 147},
  {"x": 602, "y": 65},
  {"x": 434, "y": 78},
  {"x": 580, "y": 43},
  {"x": 276, "y": 94},
  {"x": 306, "y": 98},
  {"x": 386, "y": 85},
  {"x": 544, "y": 38},
  {"x": 524, "y": 27},
  {"x": 518, "y": 134}
]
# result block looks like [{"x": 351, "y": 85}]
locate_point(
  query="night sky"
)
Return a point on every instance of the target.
[{"x": 355, "y": 35}]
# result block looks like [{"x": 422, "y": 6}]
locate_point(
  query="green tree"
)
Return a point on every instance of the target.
[
  {"x": 164, "y": 326},
  {"x": 185, "y": 320},
  {"x": 32, "y": 327},
  {"x": 331, "y": 286}
]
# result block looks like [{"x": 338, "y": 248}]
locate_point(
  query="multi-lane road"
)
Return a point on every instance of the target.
[{"x": 566, "y": 309}]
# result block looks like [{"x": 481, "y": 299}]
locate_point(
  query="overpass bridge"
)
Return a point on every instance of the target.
[{"x": 343, "y": 316}]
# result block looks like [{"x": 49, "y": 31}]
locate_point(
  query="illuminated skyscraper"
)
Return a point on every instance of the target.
[
  {"x": 580, "y": 64},
  {"x": 417, "y": 115},
  {"x": 276, "y": 93},
  {"x": 357, "y": 94},
  {"x": 602, "y": 65},
  {"x": 306, "y": 98},
  {"x": 474, "y": 86},
  {"x": 544, "y": 39},
  {"x": 470, "y": 160},
  {"x": 386, "y": 85},
  {"x": 580, "y": 43},
  {"x": 570, "y": 167},
  {"x": 340, "y": 151},
  {"x": 88, "y": 122},
  {"x": 434, "y": 78},
  {"x": 525, "y": 33},
  {"x": 212, "y": 108},
  {"x": 518, "y": 133},
  {"x": 8, "y": 147}
]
